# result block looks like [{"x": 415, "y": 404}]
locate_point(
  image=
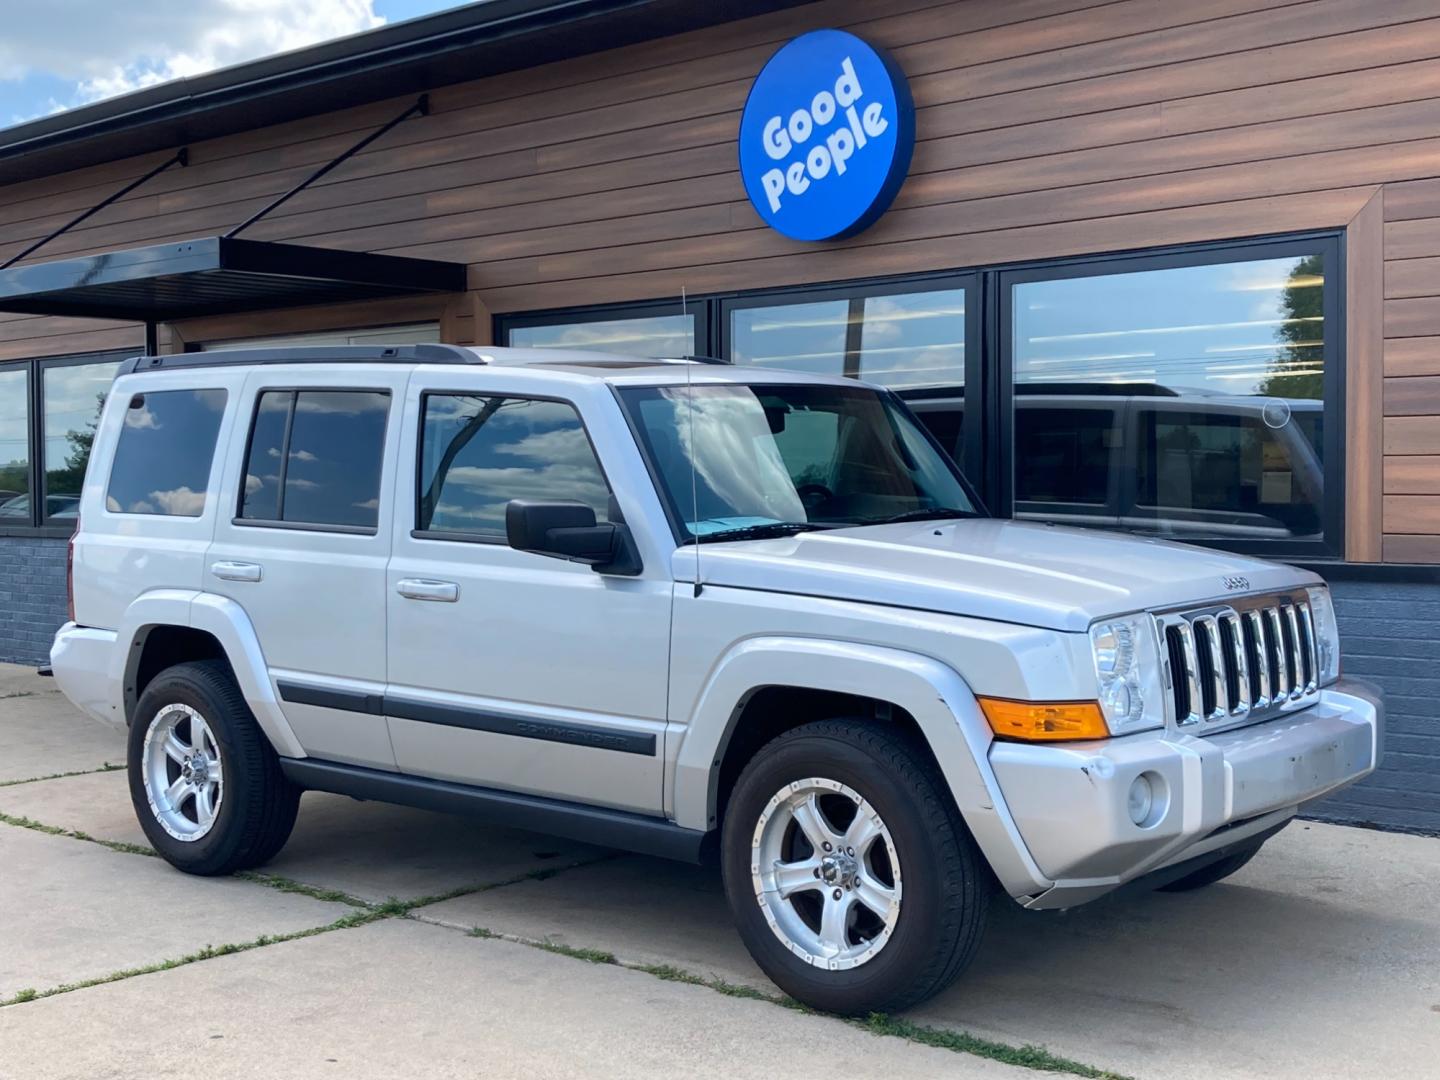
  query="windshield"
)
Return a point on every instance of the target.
[{"x": 772, "y": 460}]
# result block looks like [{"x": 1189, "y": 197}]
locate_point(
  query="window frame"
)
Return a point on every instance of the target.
[
  {"x": 307, "y": 526},
  {"x": 699, "y": 309},
  {"x": 999, "y": 453},
  {"x": 41, "y": 524},
  {"x": 501, "y": 540}
]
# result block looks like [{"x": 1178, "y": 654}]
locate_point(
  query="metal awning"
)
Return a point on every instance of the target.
[{"x": 215, "y": 275}]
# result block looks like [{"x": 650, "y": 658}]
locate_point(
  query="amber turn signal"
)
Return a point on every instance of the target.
[{"x": 1044, "y": 721}]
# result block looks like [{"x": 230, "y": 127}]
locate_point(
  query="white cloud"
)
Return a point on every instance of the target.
[{"x": 108, "y": 48}]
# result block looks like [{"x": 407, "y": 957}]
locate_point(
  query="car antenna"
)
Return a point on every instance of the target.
[{"x": 694, "y": 482}]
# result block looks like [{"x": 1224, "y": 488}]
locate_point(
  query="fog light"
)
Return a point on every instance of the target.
[{"x": 1141, "y": 800}]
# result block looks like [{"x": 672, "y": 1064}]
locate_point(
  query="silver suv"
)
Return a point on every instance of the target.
[{"x": 682, "y": 609}]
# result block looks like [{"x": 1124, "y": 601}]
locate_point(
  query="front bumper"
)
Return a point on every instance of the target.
[{"x": 1070, "y": 802}]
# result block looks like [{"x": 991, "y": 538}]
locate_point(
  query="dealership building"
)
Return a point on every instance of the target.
[{"x": 1166, "y": 268}]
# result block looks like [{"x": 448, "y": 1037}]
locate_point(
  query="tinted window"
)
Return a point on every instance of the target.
[
  {"x": 1062, "y": 456},
  {"x": 74, "y": 395},
  {"x": 478, "y": 453},
  {"x": 162, "y": 460},
  {"x": 315, "y": 457}
]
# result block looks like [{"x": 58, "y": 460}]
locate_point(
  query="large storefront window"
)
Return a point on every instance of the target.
[
  {"x": 1192, "y": 393},
  {"x": 14, "y": 443},
  {"x": 1180, "y": 400},
  {"x": 908, "y": 340},
  {"x": 65, "y": 395},
  {"x": 73, "y": 396},
  {"x": 661, "y": 334}
]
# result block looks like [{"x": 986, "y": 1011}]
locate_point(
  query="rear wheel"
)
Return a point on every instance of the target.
[
  {"x": 206, "y": 784},
  {"x": 1209, "y": 875},
  {"x": 852, "y": 879}
]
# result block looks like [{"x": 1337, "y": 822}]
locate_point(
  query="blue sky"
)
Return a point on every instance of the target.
[{"x": 63, "y": 53}]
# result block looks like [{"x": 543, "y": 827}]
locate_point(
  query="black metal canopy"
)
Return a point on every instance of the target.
[{"x": 215, "y": 275}]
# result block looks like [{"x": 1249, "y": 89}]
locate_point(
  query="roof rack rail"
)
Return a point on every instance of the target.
[{"x": 315, "y": 354}]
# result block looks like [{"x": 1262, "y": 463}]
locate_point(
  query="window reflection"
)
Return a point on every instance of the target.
[
  {"x": 1185, "y": 401},
  {"x": 14, "y": 446},
  {"x": 904, "y": 341},
  {"x": 481, "y": 452},
  {"x": 74, "y": 395},
  {"x": 659, "y": 335}
]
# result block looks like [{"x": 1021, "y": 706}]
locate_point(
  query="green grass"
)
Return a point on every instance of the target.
[
  {"x": 879, "y": 1024},
  {"x": 107, "y": 767},
  {"x": 73, "y": 834},
  {"x": 209, "y": 952}
]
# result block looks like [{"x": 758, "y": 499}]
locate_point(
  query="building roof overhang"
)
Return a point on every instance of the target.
[
  {"x": 215, "y": 275},
  {"x": 421, "y": 54}
]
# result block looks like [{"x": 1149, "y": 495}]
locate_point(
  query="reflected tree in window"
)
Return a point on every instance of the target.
[{"x": 1298, "y": 367}]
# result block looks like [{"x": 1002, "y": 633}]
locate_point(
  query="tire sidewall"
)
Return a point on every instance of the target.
[
  {"x": 917, "y": 848},
  {"x": 182, "y": 688}
]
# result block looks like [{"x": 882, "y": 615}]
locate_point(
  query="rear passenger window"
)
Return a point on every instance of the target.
[
  {"x": 315, "y": 458},
  {"x": 162, "y": 460},
  {"x": 478, "y": 453}
]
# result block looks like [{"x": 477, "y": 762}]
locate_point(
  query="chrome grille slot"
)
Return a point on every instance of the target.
[{"x": 1232, "y": 665}]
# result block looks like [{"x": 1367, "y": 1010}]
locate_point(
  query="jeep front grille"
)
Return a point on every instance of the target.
[{"x": 1231, "y": 665}]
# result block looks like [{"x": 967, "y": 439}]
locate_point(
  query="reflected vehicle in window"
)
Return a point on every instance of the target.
[
  {"x": 60, "y": 507},
  {"x": 1181, "y": 465}
]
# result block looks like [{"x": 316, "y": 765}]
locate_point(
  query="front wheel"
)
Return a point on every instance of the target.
[
  {"x": 206, "y": 784},
  {"x": 853, "y": 881}
]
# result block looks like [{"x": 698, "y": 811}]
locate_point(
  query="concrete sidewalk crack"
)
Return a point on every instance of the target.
[
  {"x": 879, "y": 1024},
  {"x": 107, "y": 767}
]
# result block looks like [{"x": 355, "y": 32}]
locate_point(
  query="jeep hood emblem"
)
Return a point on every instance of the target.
[{"x": 1236, "y": 581}]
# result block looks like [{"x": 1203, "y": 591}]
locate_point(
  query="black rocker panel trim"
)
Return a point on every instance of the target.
[
  {"x": 589, "y": 824},
  {"x": 429, "y": 712}
]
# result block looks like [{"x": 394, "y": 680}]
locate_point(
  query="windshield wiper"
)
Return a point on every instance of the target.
[
  {"x": 765, "y": 531},
  {"x": 932, "y": 513}
]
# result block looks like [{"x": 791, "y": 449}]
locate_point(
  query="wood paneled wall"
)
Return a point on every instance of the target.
[{"x": 1046, "y": 128}]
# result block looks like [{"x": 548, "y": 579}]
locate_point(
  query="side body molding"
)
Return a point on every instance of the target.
[
  {"x": 224, "y": 619},
  {"x": 934, "y": 694}
]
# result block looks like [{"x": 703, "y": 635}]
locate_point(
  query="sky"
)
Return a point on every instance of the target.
[{"x": 58, "y": 54}]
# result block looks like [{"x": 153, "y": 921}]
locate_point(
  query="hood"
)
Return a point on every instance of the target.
[{"x": 1010, "y": 571}]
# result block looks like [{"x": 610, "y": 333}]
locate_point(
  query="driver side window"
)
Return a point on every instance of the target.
[{"x": 477, "y": 453}]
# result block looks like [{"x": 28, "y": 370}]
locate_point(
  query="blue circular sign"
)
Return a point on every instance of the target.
[{"x": 826, "y": 137}]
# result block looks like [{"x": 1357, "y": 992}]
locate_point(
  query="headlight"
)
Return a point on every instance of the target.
[
  {"x": 1327, "y": 634},
  {"x": 1127, "y": 671}
]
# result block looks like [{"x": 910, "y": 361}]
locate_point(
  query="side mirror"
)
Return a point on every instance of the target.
[{"x": 567, "y": 530}]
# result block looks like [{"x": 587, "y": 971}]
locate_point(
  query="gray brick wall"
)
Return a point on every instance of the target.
[
  {"x": 1390, "y": 635},
  {"x": 32, "y": 597}
]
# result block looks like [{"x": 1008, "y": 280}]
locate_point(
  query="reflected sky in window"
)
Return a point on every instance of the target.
[{"x": 1245, "y": 328}]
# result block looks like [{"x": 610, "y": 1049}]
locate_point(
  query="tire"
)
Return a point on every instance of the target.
[
  {"x": 923, "y": 854},
  {"x": 196, "y": 707},
  {"x": 1209, "y": 875}
]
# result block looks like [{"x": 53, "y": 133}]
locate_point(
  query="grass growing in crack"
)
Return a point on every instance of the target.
[
  {"x": 590, "y": 956},
  {"x": 209, "y": 952},
  {"x": 299, "y": 888},
  {"x": 1028, "y": 1057},
  {"x": 107, "y": 767},
  {"x": 73, "y": 834}
]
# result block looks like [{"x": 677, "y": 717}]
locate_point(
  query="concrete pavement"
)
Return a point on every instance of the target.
[{"x": 1320, "y": 959}]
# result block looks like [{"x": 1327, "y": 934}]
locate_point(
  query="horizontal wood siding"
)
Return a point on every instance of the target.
[{"x": 1045, "y": 128}]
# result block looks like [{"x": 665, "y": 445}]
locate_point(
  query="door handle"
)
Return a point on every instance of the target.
[
  {"x": 445, "y": 592},
  {"x": 236, "y": 571}
]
